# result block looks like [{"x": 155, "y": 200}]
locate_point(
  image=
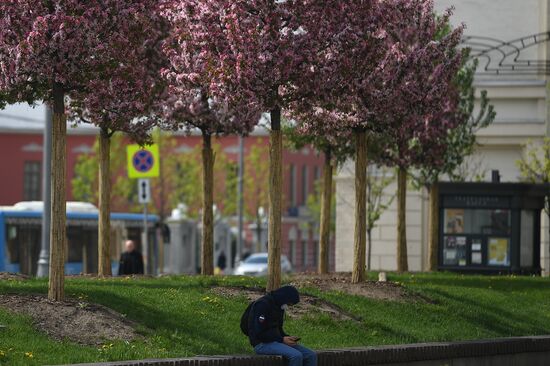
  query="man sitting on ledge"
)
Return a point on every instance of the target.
[{"x": 265, "y": 328}]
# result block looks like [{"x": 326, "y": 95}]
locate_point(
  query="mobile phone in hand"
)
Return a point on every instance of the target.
[{"x": 296, "y": 339}]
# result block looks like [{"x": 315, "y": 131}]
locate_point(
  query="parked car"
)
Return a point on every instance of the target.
[{"x": 256, "y": 265}]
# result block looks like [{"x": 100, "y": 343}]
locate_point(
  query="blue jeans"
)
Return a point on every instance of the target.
[{"x": 296, "y": 355}]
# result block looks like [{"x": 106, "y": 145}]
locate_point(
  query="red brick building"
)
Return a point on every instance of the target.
[{"x": 21, "y": 143}]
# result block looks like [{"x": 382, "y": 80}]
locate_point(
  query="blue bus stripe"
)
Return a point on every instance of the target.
[{"x": 82, "y": 216}]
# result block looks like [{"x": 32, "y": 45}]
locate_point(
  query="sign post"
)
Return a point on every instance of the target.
[
  {"x": 144, "y": 197},
  {"x": 143, "y": 163}
]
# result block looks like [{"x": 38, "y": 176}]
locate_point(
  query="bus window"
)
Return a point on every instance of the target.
[
  {"x": 23, "y": 248},
  {"x": 12, "y": 254},
  {"x": 74, "y": 242}
]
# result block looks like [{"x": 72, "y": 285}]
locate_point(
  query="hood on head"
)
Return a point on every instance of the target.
[{"x": 286, "y": 295}]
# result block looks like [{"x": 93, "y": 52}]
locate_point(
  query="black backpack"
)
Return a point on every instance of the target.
[{"x": 245, "y": 317}]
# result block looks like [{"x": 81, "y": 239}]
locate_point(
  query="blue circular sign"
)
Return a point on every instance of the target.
[{"x": 143, "y": 161}]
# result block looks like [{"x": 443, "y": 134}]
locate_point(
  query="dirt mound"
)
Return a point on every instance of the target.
[
  {"x": 341, "y": 282},
  {"x": 76, "y": 321},
  {"x": 13, "y": 276},
  {"x": 308, "y": 304}
]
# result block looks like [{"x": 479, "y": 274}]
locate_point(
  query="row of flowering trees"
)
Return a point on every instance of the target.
[{"x": 346, "y": 70}]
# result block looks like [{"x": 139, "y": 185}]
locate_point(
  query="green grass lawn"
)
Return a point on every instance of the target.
[{"x": 178, "y": 320}]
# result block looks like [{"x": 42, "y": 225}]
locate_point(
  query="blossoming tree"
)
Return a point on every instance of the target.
[
  {"x": 255, "y": 52},
  {"x": 348, "y": 75},
  {"x": 423, "y": 103},
  {"x": 270, "y": 47},
  {"x": 197, "y": 51},
  {"x": 48, "y": 50},
  {"x": 123, "y": 103}
]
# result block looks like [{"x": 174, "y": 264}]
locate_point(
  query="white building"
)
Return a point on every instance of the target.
[{"x": 522, "y": 114}]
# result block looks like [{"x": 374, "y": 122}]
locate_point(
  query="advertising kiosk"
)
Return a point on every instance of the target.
[{"x": 490, "y": 227}]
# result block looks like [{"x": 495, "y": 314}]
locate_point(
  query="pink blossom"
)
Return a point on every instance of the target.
[
  {"x": 123, "y": 99},
  {"x": 75, "y": 43}
]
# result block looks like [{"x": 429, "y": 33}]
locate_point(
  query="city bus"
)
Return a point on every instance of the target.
[{"x": 20, "y": 237}]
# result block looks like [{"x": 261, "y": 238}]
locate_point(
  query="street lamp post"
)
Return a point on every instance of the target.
[
  {"x": 260, "y": 218},
  {"x": 241, "y": 201},
  {"x": 44, "y": 257}
]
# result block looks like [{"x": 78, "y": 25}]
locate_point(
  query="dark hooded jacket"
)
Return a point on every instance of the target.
[{"x": 265, "y": 322}]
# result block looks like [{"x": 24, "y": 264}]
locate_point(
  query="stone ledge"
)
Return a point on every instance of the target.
[{"x": 380, "y": 355}]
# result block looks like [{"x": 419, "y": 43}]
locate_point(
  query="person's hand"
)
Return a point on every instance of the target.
[{"x": 289, "y": 341}]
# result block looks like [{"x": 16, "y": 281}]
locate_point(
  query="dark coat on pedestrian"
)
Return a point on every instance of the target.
[
  {"x": 130, "y": 263},
  {"x": 265, "y": 322},
  {"x": 222, "y": 261}
]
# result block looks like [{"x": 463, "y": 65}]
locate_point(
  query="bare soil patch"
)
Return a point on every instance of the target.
[
  {"x": 308, "y": 304},
  {"x": 76, "y": 321},
  {"x": 341, "y": 282},
  {"x": 13, "y": 276}
]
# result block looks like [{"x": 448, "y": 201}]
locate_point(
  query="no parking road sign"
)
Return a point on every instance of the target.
[{"x": 143, "y": 162}]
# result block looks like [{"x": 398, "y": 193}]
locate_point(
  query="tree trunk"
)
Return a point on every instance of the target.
[
  {"x": 207, "y": 262},
  {"x": 326, "y": 201},
  {"x": 58, "y": 234},
  {"x": 548, "y": 214},
  {"x": 433, "y": 226},
  {"x": 402, "y": 265},
  {"x": 104, "y": 227},
  {"x": 359, "y": 252},
  {"x": 275, "y": 202}
]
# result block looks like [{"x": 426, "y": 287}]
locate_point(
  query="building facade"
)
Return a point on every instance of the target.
[
  {"x": 21, "y": 145},
  {"x": 517, "y": 89}
]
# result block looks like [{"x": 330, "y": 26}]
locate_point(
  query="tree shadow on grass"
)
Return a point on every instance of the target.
[
  {"x": 495, "y": 319},
  {"x": 191, "y": 282},
  {"x": 519, "y": 283},
  {"x": 185, "y": 329}
]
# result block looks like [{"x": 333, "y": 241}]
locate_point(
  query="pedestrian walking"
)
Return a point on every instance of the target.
[
  {"x": 222, "y": 262},
  {"x": 131, "y": 261}
]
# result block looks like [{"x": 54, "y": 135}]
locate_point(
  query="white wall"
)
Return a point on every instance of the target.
[
  {"x": 384, "y": 235},
  {"x": 501, "y": 19}
]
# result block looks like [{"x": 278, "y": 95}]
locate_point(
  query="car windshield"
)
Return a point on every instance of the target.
[{"x": 255, "y": 260}]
